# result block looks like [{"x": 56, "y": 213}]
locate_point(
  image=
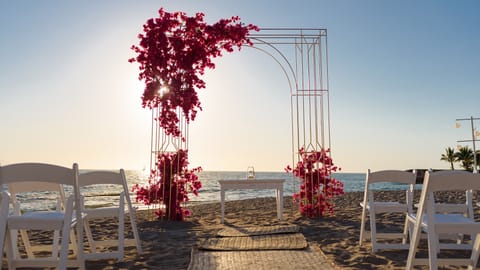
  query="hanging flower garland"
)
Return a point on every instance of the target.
[
  {"x": 174, "y": 51},
  {"x": 318, "y": 188}
]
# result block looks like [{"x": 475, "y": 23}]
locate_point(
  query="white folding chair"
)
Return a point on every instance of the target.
[
  {"x": 116, "y": 181},
  {"x": 374, "y": 207},
  {"x": 457, "y": 207},
  {"x": 428, "y": 219},
  {"x": 38, "y": 177},
  {"x": 4, "y": 202}
]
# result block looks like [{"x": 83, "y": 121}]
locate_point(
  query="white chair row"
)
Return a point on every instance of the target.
[
  {"x": 67, "y": 219},
  {"x": 434, "y": 221}
]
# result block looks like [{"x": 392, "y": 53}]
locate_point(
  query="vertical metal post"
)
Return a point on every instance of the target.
[
  {"x": 472, "y": 126},
  {"x": 474, "y": 150}
]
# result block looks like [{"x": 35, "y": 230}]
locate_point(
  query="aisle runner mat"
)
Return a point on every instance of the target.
[
  {"x": 258, "y": 230},
  {"x": 306, "y": 259},
  {"x": 257, "y": 242}
]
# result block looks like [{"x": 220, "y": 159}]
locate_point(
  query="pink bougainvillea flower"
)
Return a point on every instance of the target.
[
  {"x": 173, "y": 52},
  {"x": 167, "y": 185},
  {"x": 318, "y": 187}
]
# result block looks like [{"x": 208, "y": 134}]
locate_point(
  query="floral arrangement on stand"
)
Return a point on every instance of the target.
[
  {"x": 173, "y": 52},
  {"x": 169, "y": 185},
  {"x": 318, "y": 188}
]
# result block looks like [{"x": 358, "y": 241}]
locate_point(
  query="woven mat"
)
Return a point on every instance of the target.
[
  {"x": 257, "y": 242},
  {"x": 306, "y": 259},
  {"x": 258, "y": 230}
]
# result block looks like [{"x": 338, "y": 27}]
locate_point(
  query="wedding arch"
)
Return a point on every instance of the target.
[{"x": 302, "y": 54}]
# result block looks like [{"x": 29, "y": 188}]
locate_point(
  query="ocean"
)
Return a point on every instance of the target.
[{"x": 210, "y": 192}]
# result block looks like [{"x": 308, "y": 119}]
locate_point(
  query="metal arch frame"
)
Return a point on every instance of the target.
[
  {"x": 269, "y": 41},
  {"x": 310, "y": 102},
  {"x": 278, "y": 62},
  {"x": 309, "y": 40},
  {"x": 272, "y": 37}
]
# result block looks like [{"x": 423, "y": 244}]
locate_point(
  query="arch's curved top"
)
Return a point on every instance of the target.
[
  {"x": 302, "y": 54},
  {"x": 289, "y": 47}
]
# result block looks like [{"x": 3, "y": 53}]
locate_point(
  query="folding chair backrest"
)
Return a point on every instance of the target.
[
  {"x": 391, "y": 177},
  {"x": 37, "y": 172},
  {"x": 442, "y": 181},
  {"x": 17, "y": 188},
  {"x": 21, "y": 187},
  {"x": 106, "y": 177},
  {"x": 448, "y": 181},
  {"x": 37, "y": 177}
]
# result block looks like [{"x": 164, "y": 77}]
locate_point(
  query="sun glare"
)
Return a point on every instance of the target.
[{"x": 162, "y": 91}]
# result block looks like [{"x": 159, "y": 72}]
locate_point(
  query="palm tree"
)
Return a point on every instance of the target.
[
  {"x": 449, "y": 156},
  {"x": 465, "y": 156}
]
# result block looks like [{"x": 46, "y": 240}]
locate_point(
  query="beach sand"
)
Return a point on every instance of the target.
[{"x": 168, "y": 245}]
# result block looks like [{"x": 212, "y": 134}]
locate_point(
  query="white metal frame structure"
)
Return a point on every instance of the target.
[
  {"x": 302, "y": 53},
  {"x": 164, "y": 143},
  {"x": 475, "y": 133}
]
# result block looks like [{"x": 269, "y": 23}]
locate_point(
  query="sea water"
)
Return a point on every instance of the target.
[{"x": 107, "y": 195}]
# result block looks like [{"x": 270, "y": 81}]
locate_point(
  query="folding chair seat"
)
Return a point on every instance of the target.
[
  {"x": 434, "y": 223},
  {"x": 53, "y": 212},
  {"x": 456, "y": 240},
  {"x": 38, "y": 177},
  {"x": 116, "y": 181},
  {"x": 374, "y": 206}
]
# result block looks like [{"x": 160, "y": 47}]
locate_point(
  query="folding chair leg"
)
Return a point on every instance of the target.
[
  {"x": 362, "y": 227},
  {"x": 26, "y": 243},
  {"x": 433, "y": 249},
  {"x": 406, "y": 231},
  {"x": 475, "y": 253},
  {"x": 373, "y": 231},
  {"x": 73, "y": 241},
  {"x": 121, "y": 235},
  {"x": 14, "y": 242},
  {"x": 11, "y": 252},
  {"x": 64, "y": 249},
  {"x": 56, "y": 243},
  {"x": 89, "y": 235},
  {"x": 136, "y": 237}
]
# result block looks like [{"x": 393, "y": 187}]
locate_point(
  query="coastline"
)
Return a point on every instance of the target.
[{"x": 168, "y": 244}]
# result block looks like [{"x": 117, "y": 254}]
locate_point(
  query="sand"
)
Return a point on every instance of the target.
[{"x": 168, "y": 245}]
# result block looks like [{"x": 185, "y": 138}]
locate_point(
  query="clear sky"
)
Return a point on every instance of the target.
[{"x": 401, "y": 72}]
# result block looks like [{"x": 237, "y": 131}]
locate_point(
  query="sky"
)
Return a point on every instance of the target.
[{"x": 400, "y": 74}]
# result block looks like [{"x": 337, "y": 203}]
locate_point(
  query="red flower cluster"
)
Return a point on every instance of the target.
[
  {"x": 318, "y": 188},
  {"x": 169, "y": 185},
  {"x": 173, "y": 51}
]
